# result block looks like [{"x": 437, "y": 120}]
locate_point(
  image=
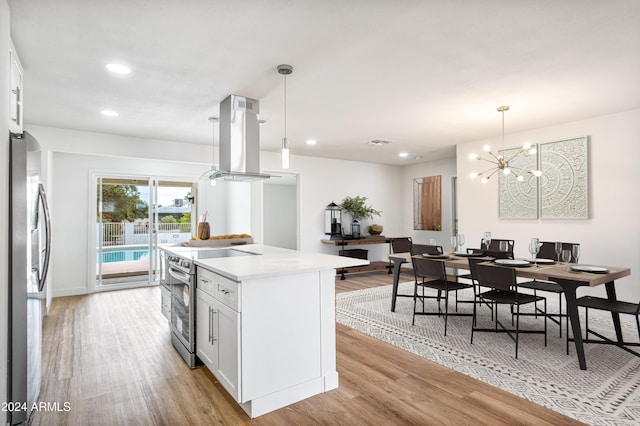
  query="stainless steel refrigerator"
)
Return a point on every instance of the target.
[{"x": 29, "y": 244}]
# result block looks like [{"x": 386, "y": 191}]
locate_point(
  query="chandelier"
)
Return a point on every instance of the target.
[{"x": 505, "y": 164}]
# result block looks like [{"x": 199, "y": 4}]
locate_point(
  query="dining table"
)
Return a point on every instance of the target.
[{"x": 561, "y": 273}]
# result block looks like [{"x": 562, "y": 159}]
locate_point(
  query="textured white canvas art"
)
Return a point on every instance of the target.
[
  {"x": 564, "y": 182},
  {"x": 518, "y": 199},
  {"x": 560, "y": 193}
]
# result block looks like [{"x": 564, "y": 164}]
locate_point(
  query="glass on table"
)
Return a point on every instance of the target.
[
  {"x": 558, "y": 248},
  {"x": 566, "y": 256},
  {"x": 575, "y": 251},
  {"x": 487, "y": 240},
  {"x": 534, "y": 249},
  {"x": 460, "y": 241},
  {"x": 503, "y": 246},
  {"x": 454, "y": 243}
]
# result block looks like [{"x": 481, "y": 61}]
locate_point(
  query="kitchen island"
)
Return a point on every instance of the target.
[{"x": 265, "y": 324}]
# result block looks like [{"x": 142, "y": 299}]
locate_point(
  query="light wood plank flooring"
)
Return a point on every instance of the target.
[{"x": 110, "y": 356}]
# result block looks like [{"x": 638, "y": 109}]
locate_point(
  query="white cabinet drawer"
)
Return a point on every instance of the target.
[
  {"x": 227, "y": 291},
  {"x": 222, "y": 288},
  {"x": 205, "y": 281}
]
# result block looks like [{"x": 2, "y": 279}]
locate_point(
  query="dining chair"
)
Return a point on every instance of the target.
[
  {"x": 473, "y": 264},
  {"x": 613, "y": 306},
  {"x": 548, "y": 251},
  {"x": 493, "y": 250},
  {"x": 503, "y": 291},
  {"x": 418, "y": 249},
  {"x": 400, "y": 244},
  {"x": 431, "y": 274}
]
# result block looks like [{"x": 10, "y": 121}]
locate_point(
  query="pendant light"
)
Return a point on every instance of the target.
[
  {"x": 285, "y": 70},
  {"x": 505, "y": 164},
  {"x": 214, "y": 168}
]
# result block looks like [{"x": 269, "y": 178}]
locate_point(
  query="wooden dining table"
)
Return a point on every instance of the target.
[{"x": 560, "y": 273}]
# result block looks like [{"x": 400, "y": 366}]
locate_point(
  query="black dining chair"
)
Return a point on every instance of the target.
[
  {"x": 494, "y": 250},
  {"x": 400, "y": 244},
  {"x": 418, "y": 249},
  {"x": 473, "y": 264},
  {"x": 613, "y": 306},
  {"x": 431, "y": 274},
  {"x": 503, "y": 290},
  {"x": 548, "y": 251}
]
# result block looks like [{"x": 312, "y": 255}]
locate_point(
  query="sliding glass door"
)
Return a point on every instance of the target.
[{"x": 135, "y": 215}]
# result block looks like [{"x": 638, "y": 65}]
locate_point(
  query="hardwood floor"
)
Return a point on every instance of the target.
[{"x": 110, "y": 356}]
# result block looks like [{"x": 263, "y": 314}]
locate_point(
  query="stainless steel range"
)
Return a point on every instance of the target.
[{"x": 180, "y": 279}]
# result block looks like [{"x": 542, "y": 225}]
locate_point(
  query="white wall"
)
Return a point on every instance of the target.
[
  {"x": 4, "y": 195},
  {"x": 445, "y": 168},
  {"x": 280, "y": 215},
  {"x": 322, "y": 181},
  {"x": 611, "y": 236}
]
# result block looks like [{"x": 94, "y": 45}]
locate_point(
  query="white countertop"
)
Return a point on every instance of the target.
[{"x": 269, "y": 261}]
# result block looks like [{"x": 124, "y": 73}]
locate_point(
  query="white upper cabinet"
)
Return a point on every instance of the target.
[{"x": 15, "y": 107}]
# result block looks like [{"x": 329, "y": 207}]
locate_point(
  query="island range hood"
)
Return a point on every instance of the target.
[{"x": 239, "y": 141}]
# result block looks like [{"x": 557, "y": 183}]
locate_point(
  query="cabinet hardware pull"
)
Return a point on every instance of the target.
[
  {"x": 210, "y": 325},
  {"x": 213, "y": 334}
]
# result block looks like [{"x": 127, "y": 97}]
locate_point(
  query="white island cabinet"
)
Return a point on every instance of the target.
[{"x": 265, "y": 324}]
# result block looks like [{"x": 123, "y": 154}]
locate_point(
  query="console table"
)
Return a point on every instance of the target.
[{"x": 372, "y": 266}]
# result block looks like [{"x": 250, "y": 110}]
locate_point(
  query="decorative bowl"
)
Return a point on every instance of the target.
[{"x": 375, "y": 229}]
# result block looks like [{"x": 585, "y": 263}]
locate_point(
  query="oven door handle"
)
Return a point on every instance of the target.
[{"x": 179, "y": 275}]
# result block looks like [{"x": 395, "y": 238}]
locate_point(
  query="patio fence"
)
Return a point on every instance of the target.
[{"x": 129, "y": 233}]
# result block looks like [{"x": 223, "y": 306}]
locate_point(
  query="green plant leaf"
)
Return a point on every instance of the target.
[{"x": 357, "y": 208}]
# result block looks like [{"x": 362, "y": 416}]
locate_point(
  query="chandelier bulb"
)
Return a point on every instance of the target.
[
  {"x": 506, "y": 171},
  {"x": 473, "y": 156},
  {"x": 486, "y": 148},
  {"x": 520, "y": 178},
  {"x": 527, "y": 145},
  {"x": 485, "y": 180},
  {"x": 537, "y": 173},
  {"x": 473, "y": 175},
  {"x": 532, "y": 151}
]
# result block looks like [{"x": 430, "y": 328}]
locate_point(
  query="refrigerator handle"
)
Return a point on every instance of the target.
[{"x": 42, "y": 196}]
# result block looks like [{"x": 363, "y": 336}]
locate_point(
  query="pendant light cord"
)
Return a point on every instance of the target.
[
  {"x": 285, "y": 106},
  {"x": 503, "y": 131}
]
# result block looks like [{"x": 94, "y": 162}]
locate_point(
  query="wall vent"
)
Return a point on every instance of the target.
[{"x": 378, "y": 142}]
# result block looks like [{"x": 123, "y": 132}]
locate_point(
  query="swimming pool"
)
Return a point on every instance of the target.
[{"x": 123, "y": 254}]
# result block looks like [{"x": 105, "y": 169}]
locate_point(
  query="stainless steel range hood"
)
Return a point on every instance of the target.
[{"x": 239, "y": 141}]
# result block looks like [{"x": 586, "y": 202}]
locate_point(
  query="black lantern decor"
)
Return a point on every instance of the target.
[
  {"x": 332, "y": 217},
  {"x": 355, "y": 229}
]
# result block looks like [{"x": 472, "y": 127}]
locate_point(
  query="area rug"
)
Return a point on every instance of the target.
[{"x": 607, "y": 393}]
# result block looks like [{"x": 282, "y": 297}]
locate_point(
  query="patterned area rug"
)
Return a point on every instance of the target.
[{"x": 607, "y": 393}]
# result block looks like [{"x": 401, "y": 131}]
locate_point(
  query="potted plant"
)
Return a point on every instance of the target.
[{"x": 358, "y": 210}]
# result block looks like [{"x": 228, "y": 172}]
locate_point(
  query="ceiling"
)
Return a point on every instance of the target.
[{"x": 425, "y": 75}]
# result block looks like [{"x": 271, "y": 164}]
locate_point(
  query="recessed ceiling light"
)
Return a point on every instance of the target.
[
  {"x": 403, "y": 154},
  {"x": 109, "y": 113},
  {"x": 311, "y": 142},
  {"x": 119, "y": 68}
]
